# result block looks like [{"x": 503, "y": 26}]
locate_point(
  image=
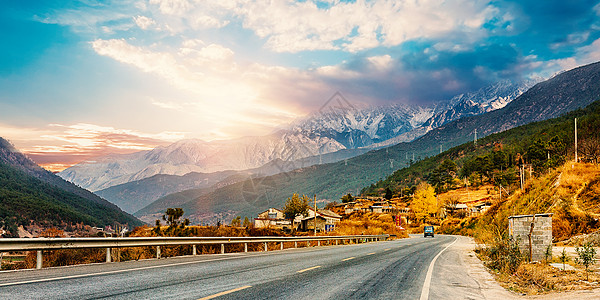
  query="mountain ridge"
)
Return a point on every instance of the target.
[{"x": 565, "y": 92}]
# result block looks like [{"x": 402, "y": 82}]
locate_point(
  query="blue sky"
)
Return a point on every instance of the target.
[{"x": 85, "y": 78}]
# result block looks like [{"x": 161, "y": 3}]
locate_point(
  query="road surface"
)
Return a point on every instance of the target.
[{"x": 379, "y": 270}]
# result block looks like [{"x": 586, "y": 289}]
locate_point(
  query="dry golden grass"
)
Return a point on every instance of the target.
[
  {"x": 534, "y": 279},
  {"x": 369, "y": 223},
  {"x": 469, "y": 195},
  {"x": 574, "y": 176}
]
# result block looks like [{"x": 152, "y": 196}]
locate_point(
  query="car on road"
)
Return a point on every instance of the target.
[{"x": 428, "y": 231}]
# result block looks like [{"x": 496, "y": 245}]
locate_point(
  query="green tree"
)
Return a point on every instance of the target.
[
  {"x": 388, "y": 193},
  {"x": 246, "y": 222},
  {"x": 236, "y": 222},
  {"x": 295, "y": 206},
  {"x": 172, "y": 216},
  {"x": 424, "y": 203},
  {"x": 563, "y": 257},
  {"x": 347, "y": 198},
  {"x": 586, "y": 256}
]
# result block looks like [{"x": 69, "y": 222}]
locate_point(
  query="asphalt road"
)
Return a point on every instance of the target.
[{"x": 378, "y": 270}]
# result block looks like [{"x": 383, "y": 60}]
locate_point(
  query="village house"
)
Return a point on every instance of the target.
[
  {"x": 326, "y": 220},
  {"x": 272, "y": 218}
]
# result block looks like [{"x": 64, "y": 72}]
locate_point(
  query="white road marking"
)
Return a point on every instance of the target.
[
  {"x": 427, "y": 283},
  {"x": 125, "y": 270},
  {"x": 308, "y": 269},
  {"x": 349, "y": 258},
  {"x": 387, "y": 249},
  {"x": 371, "y": 253},
  {"x": 225, "y": 292}
]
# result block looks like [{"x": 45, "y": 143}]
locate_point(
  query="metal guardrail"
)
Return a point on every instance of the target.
[{"x": 41, "y": 244}]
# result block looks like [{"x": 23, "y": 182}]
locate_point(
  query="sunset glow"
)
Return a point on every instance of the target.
[{"x": 86, "y": 79}]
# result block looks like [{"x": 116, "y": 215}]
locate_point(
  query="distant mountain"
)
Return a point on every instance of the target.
[
  {"x": 566, "y": 92},
  {"x": 484, "y": 100},
  {"x": 29, "y": 193},
  {"x": 135, "y": 195},
  {"x": 132, "y": 196},
  {"x": 356, "y": 128},
  {"x": 319, "y": 134}
]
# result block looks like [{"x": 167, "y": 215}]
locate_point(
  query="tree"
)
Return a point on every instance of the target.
[
  {"x": 388, "y": 193},
  {"x": 246, "y": 222},
  {"x": 586, "y": 256},
  {"x": 563, "y": 257},
  {"x": 236, "y": 222},
  {"x": 172, "y": 216},
  {"x": 442, "y": 178},
  {"x": 590, "y": 150},
  {"x": 296, "y": 206},
  {"x": 347, "y": 198},
  {"x": 424, "y": 203}
]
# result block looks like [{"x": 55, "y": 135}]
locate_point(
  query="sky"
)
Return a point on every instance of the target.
[{"x": 81, "y": 79}]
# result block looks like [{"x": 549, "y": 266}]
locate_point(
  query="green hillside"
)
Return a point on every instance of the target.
[
  {"x": 545, "y": 144},
  {"x": 565, "y": 92},
  {"x": 30, "y": 195}
]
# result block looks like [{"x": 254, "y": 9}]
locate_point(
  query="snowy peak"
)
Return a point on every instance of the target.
[
  {"x": 356, "y": 128},
  {"x": 484, "y": 100}
]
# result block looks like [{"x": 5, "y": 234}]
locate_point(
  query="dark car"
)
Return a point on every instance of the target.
[{"x": 428, "y": 231}]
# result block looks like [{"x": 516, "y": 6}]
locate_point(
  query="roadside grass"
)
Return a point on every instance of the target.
[
  {"x": 538, "y": 278},
  {"x": 368, "y": 223}
]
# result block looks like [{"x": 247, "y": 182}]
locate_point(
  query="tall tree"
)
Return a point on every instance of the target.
[
  {"x": 424, "y": 203},
  {"x": 295, "y": 206}
]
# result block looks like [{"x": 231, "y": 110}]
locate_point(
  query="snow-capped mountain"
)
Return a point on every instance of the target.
[
  {"x": 486, "y": 99},
  {"x": 313, "y": 136},
  {"x": 318, "y": 134},
  {"x": 195, "y": 155},
  {"x": 356, "y": 128}
]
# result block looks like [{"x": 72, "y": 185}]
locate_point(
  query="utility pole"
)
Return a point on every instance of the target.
[
  {"x": 475, "y": 138},
  {"x": 575, "y": 139},
  {"x": 440, "y": 149},
  {"x": 315, "y": 214}
]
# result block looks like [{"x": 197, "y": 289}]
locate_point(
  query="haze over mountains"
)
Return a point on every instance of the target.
[
  {"x": 332, "y": 129},
  {"x": 563, "y": 93}
]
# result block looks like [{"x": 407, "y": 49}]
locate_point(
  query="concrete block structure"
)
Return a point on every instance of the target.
[{"x": 541, "y": 237}]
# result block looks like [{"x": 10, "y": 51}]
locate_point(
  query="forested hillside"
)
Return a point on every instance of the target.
[{"x": 30, "y": 195}]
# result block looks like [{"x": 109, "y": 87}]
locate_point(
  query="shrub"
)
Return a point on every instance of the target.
[{"x": 503, "y": 255}]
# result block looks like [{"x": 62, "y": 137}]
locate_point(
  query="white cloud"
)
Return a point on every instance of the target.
[
  {"x": 144, "y": 22},
  {"x": 172, "y": 7},
  {"x": 291, "y": 26}
]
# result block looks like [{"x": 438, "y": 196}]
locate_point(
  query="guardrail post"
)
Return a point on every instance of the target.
[
  {"x": 337, "y": 242},
  {"x": 295, "y": 244},
  {"x": 245, "y": 247},
  {"x": 222, "y": 248},
  {"x": 307, "y": 243},
  {"x": 194, "y": 250},
  {"x": 108, "y": 258},
  {"x": 319, "y": 243},
  {"x": 281, "y": 245},
  {"x": 38, "y": 262},
  {"x": 266, "y": 248},
  {"x": 158, "y": 252}
]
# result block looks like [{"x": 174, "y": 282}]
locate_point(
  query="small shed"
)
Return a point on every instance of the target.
[{"x": 540, "y": 227}]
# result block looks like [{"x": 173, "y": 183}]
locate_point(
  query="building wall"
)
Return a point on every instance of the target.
[{"x": 541, "y": 238}]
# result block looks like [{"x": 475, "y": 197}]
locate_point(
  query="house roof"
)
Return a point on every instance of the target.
[
  {"x": 329, "y": 213},
  {"x": 279, "y": 210},
  {"x": 325, "y": 212}
]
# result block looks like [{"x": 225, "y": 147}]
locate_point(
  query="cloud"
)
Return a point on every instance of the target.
[
  {"x": 292, "y": 26},
  {"x": 58, "y": 146},
  {"x": 144, "y": 22}
]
